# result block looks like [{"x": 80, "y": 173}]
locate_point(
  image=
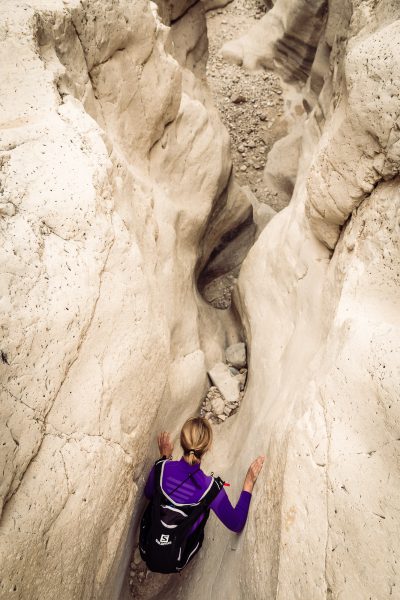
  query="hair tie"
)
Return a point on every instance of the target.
[{"x": 192, "y": 451}]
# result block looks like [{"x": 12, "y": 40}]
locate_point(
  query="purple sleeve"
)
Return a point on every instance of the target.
[
  {"x": 233, "y": 518},
  {"x": 149, "y": 488}
]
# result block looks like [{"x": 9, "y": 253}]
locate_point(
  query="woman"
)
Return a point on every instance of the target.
[{"x": 182, "y": 483}]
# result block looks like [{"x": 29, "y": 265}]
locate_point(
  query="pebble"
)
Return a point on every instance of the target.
[
  {"x": 233, "y": 405},
  {"x": 238, "y": 98},
  {"x": 243, "y": 168},
  {"x": 236, "y": 356},
  {"x": 218, "y": 405}
]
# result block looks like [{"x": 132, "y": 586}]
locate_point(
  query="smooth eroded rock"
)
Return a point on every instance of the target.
[{"x": 225, "y": 382}]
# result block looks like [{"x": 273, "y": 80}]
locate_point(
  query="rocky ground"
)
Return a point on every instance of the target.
[
  {"x": 250, "y": 103},
  {"x": 229, "y": 379}
]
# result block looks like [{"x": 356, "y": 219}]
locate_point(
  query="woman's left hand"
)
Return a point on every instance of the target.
[{"x": 165, "y": 445}]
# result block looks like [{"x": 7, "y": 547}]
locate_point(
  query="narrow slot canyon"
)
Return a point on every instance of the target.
[{"x": 199, "y": 206}]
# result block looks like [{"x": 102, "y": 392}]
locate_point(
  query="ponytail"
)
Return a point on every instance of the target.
[{"x": 196, "y": 438}]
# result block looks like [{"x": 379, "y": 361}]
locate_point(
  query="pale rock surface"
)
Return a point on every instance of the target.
[
  {"x": 111, "y": 162},
  {"x": 236, "y": 355},
  {"x": 319, "y": 295},
  {"x": 286, "y": 37},
  {"x": 262, "y": 212},
  {"x": 227, "y": 384},
  {"x": 218, "y": 406},
  {"x": 114, "y": 175},
  {"x": 220, "y": 262},
  {"x": 213, "y": 4},
  {"x": 281, "y": 168}
]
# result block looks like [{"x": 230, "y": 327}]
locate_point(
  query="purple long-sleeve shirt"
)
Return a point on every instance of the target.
[{"x": 176, "y": 471}]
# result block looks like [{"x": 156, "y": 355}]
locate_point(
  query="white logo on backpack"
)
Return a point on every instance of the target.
[{"x": 164, "y": 540}]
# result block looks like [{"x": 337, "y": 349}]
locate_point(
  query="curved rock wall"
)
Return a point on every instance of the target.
[
  {"x": 116, "y": 186},
  {"x": 112, "y": 160},
  {"x": 318, "y": 293}
]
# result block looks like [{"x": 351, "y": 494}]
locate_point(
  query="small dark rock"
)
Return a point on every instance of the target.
[{"x": 238, "y": 99}]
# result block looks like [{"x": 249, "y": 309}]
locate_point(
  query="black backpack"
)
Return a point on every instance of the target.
[{"x": 164, "y": 541}]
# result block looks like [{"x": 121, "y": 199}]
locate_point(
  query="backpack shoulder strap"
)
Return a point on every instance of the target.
[
  {"x": 157, "y": 497},
  {"x": 158, "y": 472},
  {"x": 213, "y": 492},
  {"x": 204, "y": 504}
]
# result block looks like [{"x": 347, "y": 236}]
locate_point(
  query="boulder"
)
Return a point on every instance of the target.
[
  {"x": 236, "y": 355},
  {"x": 218, "y": 405},
  {"x": 228, "y": 385},
  {"x": 262, "y": 212}
]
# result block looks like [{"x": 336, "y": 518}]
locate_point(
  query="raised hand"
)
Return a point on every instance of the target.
[
  {"x": 165, "y": 445},
  {"x": 252, "y": 473}
]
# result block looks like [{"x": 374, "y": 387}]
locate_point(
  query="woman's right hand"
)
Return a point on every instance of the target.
[
  {"x": 252, "y": 473},
  {"x": 165, "y": 445}
]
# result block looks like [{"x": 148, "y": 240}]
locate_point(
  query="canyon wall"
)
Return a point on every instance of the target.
[
  {"x": 116, "y": 186},
  {"x": 112, "y": 160},
  {"x": 319, "y": 293}
]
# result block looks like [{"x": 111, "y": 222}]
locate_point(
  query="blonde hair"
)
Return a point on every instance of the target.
[{"x": 196, "y": 438}]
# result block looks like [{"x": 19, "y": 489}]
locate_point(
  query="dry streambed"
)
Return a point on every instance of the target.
[{"x": 250, "y": 103}]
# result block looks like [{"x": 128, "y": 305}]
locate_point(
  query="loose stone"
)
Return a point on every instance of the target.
[
  {"x": 236, "y": 355},
  {"x": 238, "y": 98}
]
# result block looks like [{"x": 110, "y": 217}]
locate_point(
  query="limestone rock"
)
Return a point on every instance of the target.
[
  {"x": 111, "y": 160},
  {"x": 238, "y": 98},
  {"x": 117, "y": 188},
  {"x": 173, "y": 10},
  {"x": 323, "y": 323},
  {"x": 286, "y": 37},
  {"x": 236, "y": 355},
  {"x": 218, "y": 276},
  {"x": 262, "y": 212},
  {"x": 214, "y": 4},
  {"x": 218, "y": 406},
  {"x": 223, "y": 380},
  {"x": 281, "y": 167}
]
